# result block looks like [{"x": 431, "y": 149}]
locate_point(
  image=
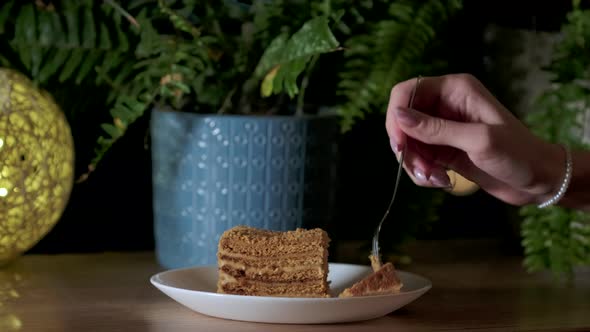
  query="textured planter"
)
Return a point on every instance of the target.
[{"x": 213, "y": 172}]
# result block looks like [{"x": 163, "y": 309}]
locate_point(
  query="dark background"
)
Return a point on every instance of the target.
[{"x": 112, "y": 209}]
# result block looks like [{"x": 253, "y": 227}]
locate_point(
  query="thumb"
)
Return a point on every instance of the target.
[{"x": 437, "y": 131}]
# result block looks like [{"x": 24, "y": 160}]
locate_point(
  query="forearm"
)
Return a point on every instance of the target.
[{"x": 577, "y": 195}]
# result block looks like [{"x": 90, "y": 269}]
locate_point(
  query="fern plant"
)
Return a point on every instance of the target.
[
  {"x": 218, "y": 57},
  {"x": 210, "y": 57},
  {"x": 556, "y": 238}
]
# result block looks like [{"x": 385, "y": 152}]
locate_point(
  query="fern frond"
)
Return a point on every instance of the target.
[
  {"x": 67, "y": 42},
  {"x": 387, "y": 54},
  {"x": 126, "y": 111},
  {"x": 164, "y": 69},
  {"x": 179, "y": 21},
  {"x": 555, "y": 238}
]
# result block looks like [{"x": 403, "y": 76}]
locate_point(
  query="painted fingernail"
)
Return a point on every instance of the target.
[
  {"x": 395, "y": 147},
  {"x": 420, "y": 176},
  {"x": 440, "y": 179},
  {"x": 407, "y": 117}
]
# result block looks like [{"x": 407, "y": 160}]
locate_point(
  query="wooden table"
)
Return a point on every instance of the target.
[{"x": 111, "y": 292}]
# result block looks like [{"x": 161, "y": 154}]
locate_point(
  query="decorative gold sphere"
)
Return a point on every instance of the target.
[
  {"x": 460, "y": 186},
  {"x": 36, "y": 164}
]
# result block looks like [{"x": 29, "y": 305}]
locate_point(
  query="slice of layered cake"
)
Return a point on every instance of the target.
[
  {"x": 261, "y": 262},
  {"x": 383, "y": 280}
]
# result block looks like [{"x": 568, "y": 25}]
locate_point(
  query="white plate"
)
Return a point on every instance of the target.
[{"x": 195, "y": 288}]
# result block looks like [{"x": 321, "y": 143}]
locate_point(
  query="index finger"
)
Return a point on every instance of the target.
[
  {"x": 427, "y": 98},
  {"x": 399, "y": 97}
]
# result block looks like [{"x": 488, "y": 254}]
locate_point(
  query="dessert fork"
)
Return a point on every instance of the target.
[{"x": 375, "y": 257}]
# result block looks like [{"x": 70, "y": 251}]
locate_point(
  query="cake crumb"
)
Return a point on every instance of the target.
[{"x": 375, "y": 263}]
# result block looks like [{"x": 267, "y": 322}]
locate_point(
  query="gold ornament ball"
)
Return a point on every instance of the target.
[
  {"x": 460, "y": 186},
  {"x": 36, "y": 164}
]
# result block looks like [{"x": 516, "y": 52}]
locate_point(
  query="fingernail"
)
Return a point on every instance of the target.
[
  {"x": 420, "y": 176},
  {"x": 440, "y": 179},
  {"x": 407, "y": 117},
  {"x": 395, "y": 147}
]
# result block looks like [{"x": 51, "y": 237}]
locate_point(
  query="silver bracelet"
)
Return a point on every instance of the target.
[{"x": 566, "y": 181}]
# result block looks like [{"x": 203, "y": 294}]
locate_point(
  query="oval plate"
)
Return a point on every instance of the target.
[{"x": 195, "y": 288}]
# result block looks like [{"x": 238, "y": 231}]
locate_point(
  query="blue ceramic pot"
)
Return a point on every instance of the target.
[{"x": 213, "y": 172}]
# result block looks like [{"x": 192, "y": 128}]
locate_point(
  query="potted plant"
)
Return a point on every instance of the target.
[
  {"x": 236, "y": 135},
  {"x": 251, "y": 154}
]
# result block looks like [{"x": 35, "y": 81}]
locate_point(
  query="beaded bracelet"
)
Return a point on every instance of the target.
[{"x": 566, "y": 181}]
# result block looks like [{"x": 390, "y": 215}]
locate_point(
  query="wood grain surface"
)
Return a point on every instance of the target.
[{"x": 473, "y": 289}]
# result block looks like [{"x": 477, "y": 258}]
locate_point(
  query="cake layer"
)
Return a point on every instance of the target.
[
  {"x": 254, "y": 235},
  {"x": 264, "y": 249},
  {"x": 300, "y": 289},
  {"x": 226, "y": 279},
  {"x": 282, "y": 261},
  {"x": 264, "y": 243},
  {"x": 287, "y": 274}
]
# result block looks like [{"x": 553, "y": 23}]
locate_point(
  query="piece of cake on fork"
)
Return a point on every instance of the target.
[{"x": 261, "y": 262}]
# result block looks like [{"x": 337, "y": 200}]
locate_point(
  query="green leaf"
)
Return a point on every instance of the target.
[
  {"x": 286, "y": 80},
  {"x": 5, "y": 12},
  {"x": 124, "y": 113},
  {"x": 24, "y": 32},
  {"x": 288, "y": 57},
  {"x": 74, "y": 60},
  {"x": 36, "y": 59},
  {"x": 180, "y": 86},
  {"x": 123, "y": 75},
  {"x": 273, "y": 55},
  {"x": 88, "y": 29},
  {"x": 105, "y": 40},
  {"x": 24, "y": 53},
  {"x": 54, "y": 61},
  {"x": 178, "y": 21},
  {"x": 110, "y": 60},
  {"x": 46, "y": 32},
  {"x": 113, "y": 131},
  {"x": 72, "y": 23},
  {"x": 165, "y": 91},
  {"x": 29, "y": 21},
  {"x": 87, "y": 65},
  {"x": 267, "y": 83},
  {"x": 314, "y": 37},
  {"x": 58, "y": 33}
]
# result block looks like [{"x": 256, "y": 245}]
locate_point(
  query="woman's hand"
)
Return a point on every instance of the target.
[{"x": 457, "y": 124}]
